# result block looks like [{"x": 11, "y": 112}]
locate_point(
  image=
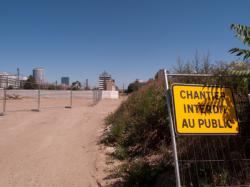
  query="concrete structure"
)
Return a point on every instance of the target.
[
  {"x": 87, "y": 94},
  {"x": 38, "y": 74},
  {"x": 103, "y": 78},
  {"x": 110, "y": 95},
  {"x": 65, "y": 81}
]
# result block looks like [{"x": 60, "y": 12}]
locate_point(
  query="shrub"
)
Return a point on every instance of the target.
[
  {"x": 139, "y": 129},
  {"x": 140, "y": 123}
]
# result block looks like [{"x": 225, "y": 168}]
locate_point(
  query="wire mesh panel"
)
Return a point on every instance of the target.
[
  {"x": 82, "y": 97},
  {"x": 54, "y": 98},
  {"x": 97, "y": 96},
  {"x": 64, "y": 98},
  {"x": 221, "y": 160},
  {"x": 21, "y": 100}
]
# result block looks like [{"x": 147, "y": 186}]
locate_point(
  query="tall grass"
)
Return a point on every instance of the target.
[{"x": 140, "y": 133}]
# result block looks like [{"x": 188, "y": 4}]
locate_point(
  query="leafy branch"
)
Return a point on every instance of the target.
[{"x": 242, "y": 32}]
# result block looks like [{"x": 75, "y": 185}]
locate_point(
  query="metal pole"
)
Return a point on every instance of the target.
[
  {"x": 177, "y": 172},
  {"x": 100, "y": 95},
  {"x": 71, "y": 98},
  {"x": 39, "y": 98},
  {"x": 94, "y": 96},
  {"x": 95, "y": 92},
  {"x": 7, "y": 81},
  {"x": 4, "y": 101},
  {"x": 18, "y": 77}
]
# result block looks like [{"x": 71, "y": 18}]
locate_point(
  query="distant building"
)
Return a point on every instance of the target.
[
  {"x": 38, "y": 74},
  {"x": 103, "y": 78},
  {"x": 10, "y": 80},
  {"x": 65, "y": 81},
  {"x": 110, "y": 85}
]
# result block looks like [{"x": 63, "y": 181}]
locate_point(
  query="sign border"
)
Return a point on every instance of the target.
[{"x": 204, "y": 134}]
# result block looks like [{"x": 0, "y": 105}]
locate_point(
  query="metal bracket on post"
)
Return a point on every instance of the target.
[{"x": 177, "y": 172}]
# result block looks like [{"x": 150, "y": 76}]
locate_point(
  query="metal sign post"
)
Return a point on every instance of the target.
[{"x": 177, "y": 172}]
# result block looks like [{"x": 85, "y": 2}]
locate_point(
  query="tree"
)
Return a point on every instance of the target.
[
  {"x": 180, "y": 66},
  {"x": 243, "y": 33},
  {"x": 196, "y": 65},
  {"x": 206, "y": 65},
  {"x": 30, "y": 83},
  {"x": 132, "y": 87},
  {"x": 76, "y": 85}
]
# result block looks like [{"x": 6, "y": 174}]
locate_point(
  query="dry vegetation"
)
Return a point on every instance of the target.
[{"x": 140, "y": 134}]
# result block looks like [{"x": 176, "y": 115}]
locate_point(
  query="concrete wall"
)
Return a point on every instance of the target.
[
  {"x": 110, "y": 95},
  {"x": 23, "y": 93},
  {"x": 62, "y": 94},
  {"x": 52, "y": 93}
]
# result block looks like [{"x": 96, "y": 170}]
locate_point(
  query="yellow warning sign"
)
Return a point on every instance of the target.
[{"x": 204, "y": 110}]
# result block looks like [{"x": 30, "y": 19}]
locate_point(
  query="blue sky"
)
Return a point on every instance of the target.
[{"x": 128, "y": 38}]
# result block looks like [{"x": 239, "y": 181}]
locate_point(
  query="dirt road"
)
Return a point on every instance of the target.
[{"x": 54, "y": 147}]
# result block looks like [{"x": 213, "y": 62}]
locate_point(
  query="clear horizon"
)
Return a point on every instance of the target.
[{"x": 128, "y": 39}]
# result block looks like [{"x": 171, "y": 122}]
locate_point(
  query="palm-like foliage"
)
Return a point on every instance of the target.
[{"x": 242, "y": 32}]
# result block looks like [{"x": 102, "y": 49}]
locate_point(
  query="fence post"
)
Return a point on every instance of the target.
[
  {"x": 97, "y": 95},
  {"x": 94, "y": 96},
  {"x": 7, "y": 81},
  {"x": 177, "y": 172},
  {"x": 71, "y": 99},
  {"x": 4, "y": 102},
  {"x": 100, "y": 95},
  {"x": 39, "y": 98}
]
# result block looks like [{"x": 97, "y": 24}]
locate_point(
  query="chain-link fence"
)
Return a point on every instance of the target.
[
  {"x": 97, "y": 96},
  {"x": 36, "y": 98},
  {"x": 21, "y": 100},
  {"x": 216, "y": 160},
  {"x": 55, "y": 99}
]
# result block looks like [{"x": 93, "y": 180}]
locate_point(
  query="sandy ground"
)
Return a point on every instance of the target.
[{"x": 55, "y": 147}]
